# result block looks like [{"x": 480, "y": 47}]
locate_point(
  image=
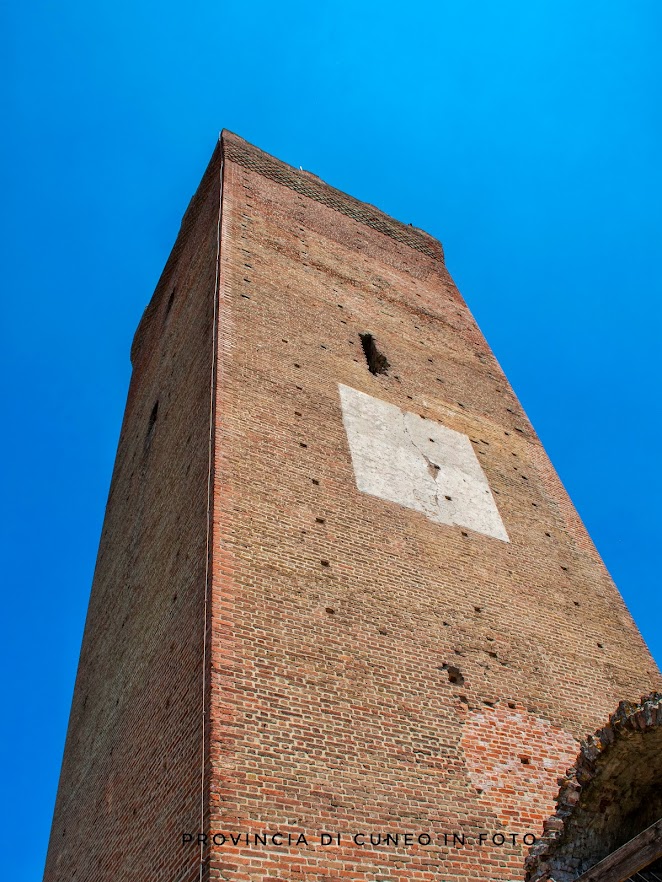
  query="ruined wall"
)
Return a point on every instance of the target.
[
  {"x": 377, "y": 667},
  {"x": 130, "y": 779},
  {"x": 611, "y": 794}
]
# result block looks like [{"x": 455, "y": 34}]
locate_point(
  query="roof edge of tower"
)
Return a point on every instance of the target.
[
  {"x": 306, "y": 183},
  {"x": 188, "y": 221},
  {"x": 235, "y": 149}
]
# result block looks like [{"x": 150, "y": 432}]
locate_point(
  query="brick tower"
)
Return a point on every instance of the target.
[{"x": 345, "y": 622}]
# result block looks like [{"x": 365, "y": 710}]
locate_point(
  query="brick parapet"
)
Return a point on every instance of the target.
[{"x": 307, "y": 184}]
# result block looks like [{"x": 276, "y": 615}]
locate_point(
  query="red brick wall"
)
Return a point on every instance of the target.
[
  {"x": 331, "y": 708},
  {"x": 130, "y": 780}
]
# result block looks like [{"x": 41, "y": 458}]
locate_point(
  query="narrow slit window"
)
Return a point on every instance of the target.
[
  {"x": 171, "y": 300},
  {"x": 151, "y": 425}
]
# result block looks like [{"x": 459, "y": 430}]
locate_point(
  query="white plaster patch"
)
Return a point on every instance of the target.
[{"x": 401, "y": 457}]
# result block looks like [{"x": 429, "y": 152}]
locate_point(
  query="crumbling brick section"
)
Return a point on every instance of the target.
[{"x": 612, "y": 793}]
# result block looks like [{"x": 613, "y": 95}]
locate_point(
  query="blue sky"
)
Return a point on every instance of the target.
[{"x": 526, "y": 136}]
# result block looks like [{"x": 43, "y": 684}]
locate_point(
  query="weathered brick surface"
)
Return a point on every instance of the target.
[
  {"x": 334, "y": 616},
  {"x": 130, "y": 779},
  {"x": 331, "y": 711}
]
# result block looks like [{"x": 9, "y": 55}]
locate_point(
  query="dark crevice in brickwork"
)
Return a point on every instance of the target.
[
  {"x": 151, "y": 426},
  {"x": 171, "y": 300},
  {"x": 376, "y": 360},
  {"x": 454, "y": 674}
]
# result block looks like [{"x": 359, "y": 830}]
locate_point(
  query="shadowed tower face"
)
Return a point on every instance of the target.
[{"x": 367, "y": 607}]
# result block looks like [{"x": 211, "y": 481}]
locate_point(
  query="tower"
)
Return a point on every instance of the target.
[{"x": 340, "y": 590}]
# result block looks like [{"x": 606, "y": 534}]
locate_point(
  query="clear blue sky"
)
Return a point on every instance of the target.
[{"x": 524, "y": 135}]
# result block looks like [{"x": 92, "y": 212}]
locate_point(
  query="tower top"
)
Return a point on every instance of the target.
[
  {"x": 237, "y": 150},
  {"x": 232, "y": 148}
]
